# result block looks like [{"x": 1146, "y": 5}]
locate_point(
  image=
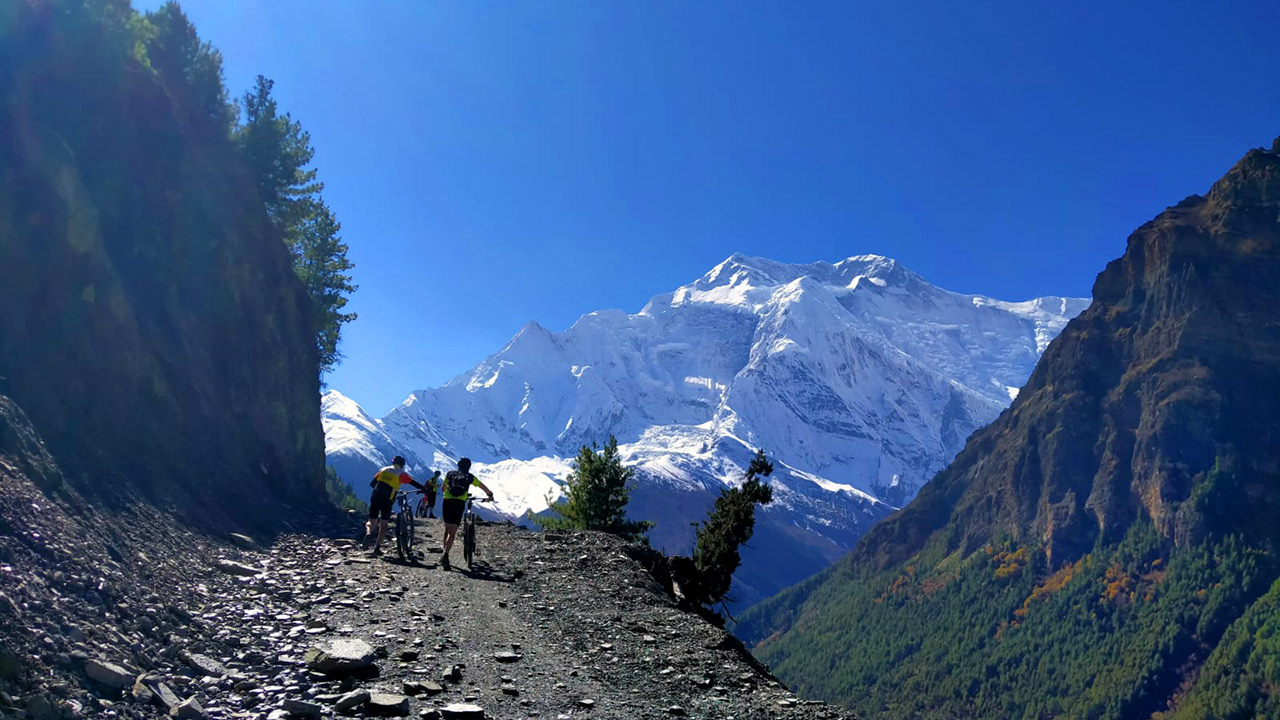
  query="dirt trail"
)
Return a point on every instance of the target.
[
  {"x": 546, "y": 625},
  {"x": 133, "y": 616}
]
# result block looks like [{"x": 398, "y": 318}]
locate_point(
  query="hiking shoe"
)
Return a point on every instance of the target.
[
  {"x": 364, "y": 542},
  {"x": 444, "y": 562},
  {"x": 377, "y": 551}
]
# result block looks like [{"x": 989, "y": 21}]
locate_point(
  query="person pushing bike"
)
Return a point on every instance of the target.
[
  {"x": 457, "y": 484},
  {"x": 427, "y": 508},
  {"x": 386, "y": 483}
]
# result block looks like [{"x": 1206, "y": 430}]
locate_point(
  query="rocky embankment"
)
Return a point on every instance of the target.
[{"x": 133, "y": 617}]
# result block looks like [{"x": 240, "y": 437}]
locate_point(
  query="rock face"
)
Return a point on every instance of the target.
[
  {"x": 1146, "y": 442},
  {"x": 860, "y": 378},
  {"x": 151, "y": 327},
  {"x": 1172, "y": 370}
]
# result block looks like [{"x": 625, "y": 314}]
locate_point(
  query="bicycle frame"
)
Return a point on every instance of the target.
[
  {"x": 404, "y": 527},
  {"x": 469, "y": 530}
]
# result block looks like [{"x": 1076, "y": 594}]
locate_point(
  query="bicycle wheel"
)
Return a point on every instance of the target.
[
  {"x": 469, "y": 541},
  {"x": 408, "y": 547},
  {"x": 402, "y": 532}
]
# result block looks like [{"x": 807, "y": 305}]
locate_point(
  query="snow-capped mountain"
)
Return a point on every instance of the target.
[{"x": 859, "y": 378}]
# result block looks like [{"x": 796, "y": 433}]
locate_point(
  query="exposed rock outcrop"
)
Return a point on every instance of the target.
[
  {"x": 151, "y": 327},
  {"x": 1173, "y": 370},
  {"x": 1108, "y": 546}
]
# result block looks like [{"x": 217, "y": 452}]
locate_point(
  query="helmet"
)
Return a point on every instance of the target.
[
  {"x": 464, "y": 464},
  {"x": 397, "y": 460}
]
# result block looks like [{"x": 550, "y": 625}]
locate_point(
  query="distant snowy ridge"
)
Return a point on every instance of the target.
[{"x": 859, "y": 378}]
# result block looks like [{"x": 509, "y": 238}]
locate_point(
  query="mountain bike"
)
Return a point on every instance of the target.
[
  {"x": 469, "y": 530},
  {"x": 404, "y": 526}
]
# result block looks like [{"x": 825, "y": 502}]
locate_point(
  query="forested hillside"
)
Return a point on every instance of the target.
[{"x": 1108, "y": 547}]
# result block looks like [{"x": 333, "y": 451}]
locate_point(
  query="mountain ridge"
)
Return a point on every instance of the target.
[{"x": 858, "y": 377}]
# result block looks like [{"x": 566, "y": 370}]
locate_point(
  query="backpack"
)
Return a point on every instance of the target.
[{"x": 458, "y": 483}]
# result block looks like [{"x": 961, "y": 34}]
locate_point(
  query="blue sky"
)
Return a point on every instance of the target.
[{"x": 499, "y": 162}]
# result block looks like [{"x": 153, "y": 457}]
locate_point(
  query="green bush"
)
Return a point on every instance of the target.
[{"x": 596, "y": 496}]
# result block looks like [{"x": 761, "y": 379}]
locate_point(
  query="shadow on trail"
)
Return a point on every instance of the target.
[
  {"x": 481, "y": 570},
  {"x": 414, "y": 563}
]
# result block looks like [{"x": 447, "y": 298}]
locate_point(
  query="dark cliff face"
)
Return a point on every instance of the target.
[
  {"x": 151, "y": 326},
  {"x": 1108, "y": 547},
  {"x": 1172, "y": 371}
]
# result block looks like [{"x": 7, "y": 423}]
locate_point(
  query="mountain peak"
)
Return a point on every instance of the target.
[{"x": 748, "y": 282}]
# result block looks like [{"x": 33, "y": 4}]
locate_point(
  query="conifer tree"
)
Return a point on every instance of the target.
[
  {"x": 596, "y": 495},
  {"x": 278, "y": 153},
  {"x": 730, "y": 524},
  {"x": 186, "y": 64},
  {"x": 320, "y": 258}
]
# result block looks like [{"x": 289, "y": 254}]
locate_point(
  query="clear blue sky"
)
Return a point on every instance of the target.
[{"x": 499, "y": 162}]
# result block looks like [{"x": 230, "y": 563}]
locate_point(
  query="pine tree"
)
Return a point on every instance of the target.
[
  {"x": 730, "y": 524},
  {"x": 320, "y": 258},
  {"x": 187, "y": 65},
  {"x": 278, "y": 152},
  {"x": 596, "y": 495}
]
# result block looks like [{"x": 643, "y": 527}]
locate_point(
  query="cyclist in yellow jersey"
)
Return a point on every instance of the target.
[
  {"x": 386, "y": 483},
  {"x": 456, "y": 486}
]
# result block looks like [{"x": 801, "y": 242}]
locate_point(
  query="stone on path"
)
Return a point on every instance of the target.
[
  {"x": 232, "y": 567},
  {"x": 412, "y": 688},
  {"x": 462, "y": 711},
  {"x": 142, "y": 693},
  {"x": 301, "y": 708},
  {"x": 165, "y": 696},
  {"x": 352, "y": 700},
  {"x": 507, "y": 657},
  {"x": 341, "y": 657},
  {"x": 206, "y": 665},
  {"x": 243, "y": 541},
  {"x": 190, "y": 709},
  {"x": 109, "y": 674},
  {"x": 387, "y": 705}
]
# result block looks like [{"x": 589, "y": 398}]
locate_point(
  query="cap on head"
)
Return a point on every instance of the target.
[
  {"x": 464, "y": 464},
  {"x": 397, "y": 461}
]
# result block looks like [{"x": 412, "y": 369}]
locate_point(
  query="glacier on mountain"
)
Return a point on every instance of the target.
[{"x": 859, "y": 378}]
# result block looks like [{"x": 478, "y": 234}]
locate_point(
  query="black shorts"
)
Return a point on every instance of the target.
[
  {"x": 380, "y": 502},
  {"x": 452, "y": 510}
]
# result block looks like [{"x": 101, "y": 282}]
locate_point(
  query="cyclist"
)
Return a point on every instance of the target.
[
  {"x": 456, "y": 486},
  {"x": 427, "y": 508},
  {"x": 386, "y": 483}
]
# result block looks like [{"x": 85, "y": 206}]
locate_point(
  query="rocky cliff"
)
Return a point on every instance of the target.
[
  {"x": 1171, "y": 372},
  {"x": 1111, "y": 533},
  {"x": 151, "y": 327}
]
